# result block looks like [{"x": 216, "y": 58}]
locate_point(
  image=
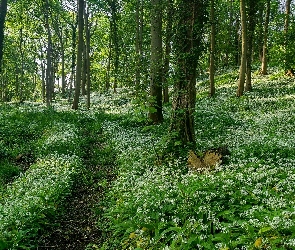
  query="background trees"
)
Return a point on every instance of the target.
[
  {"x": 137, "y": 45},
  {"x": 3, "y": 10}
]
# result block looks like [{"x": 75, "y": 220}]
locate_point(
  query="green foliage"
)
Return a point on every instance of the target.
[
  {"x": 33, "y": 198},
  {"x": 247, "y": 203},
  {"x": 59, "y": 140}
]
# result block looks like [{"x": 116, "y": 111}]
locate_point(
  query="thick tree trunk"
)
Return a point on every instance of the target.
[
  {"x": 241, "y": 83},
  {"x": 188, "y": 37},
  {"x": 212, "y": 50},
  {"x": 155, "y": 113},
  {"x": 265, "y": 37},
  {"x": 3, "y": 11},
  {"x": 79, "y": 54}
]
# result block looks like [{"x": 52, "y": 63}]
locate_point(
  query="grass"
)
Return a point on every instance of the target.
[{"x": 247, "y": 203}]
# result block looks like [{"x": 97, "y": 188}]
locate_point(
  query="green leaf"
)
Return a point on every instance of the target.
[
  {"x": 264, "y": 230},
  {"x": 177, "y": 143}
]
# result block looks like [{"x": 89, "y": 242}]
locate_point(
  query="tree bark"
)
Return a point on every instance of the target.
[
  {"x": 265, "y": 37},
  {"x": 115, "y": 40},
  {"x": 155, "y": 113},
  {"x": 138, "y": 42},
  {"x": 84, "y": 69},
  {"x": 188, "y": 38},
  {"x": 87, "y": 35},
  {"x": 241, "y": 83},
  {"x": 79, "y": 53},
  {"x": 169, "y": 34},
  {"x": 108, "y": 72},
  {"x": 212, "y": 50},
  {"x": 49, "y": 80},
  {"x": 250, "y": 36},
  {"x": 3, "y": 11},
  {"x": 73, "y": 64},
  {"x": 286, "y": 31}
]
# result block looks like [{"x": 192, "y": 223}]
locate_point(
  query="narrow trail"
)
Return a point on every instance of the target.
[{"x": 76, "y": 227}]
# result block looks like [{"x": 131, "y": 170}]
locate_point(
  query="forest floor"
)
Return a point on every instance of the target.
[
  {"x": 76, "y": 226},
  {"x": 100, "y": 180}
]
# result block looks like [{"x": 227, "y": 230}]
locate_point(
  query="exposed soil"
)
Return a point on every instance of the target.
[{"x": 76, "y": 227}]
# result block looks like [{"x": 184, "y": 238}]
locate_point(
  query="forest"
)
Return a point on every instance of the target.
[{"x": 147, "y": 124}]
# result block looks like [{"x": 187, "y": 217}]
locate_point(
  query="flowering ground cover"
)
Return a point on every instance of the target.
[
  {"x": 247, "y": 203},
  {"x": 57, "y": 144},
  {"x": 151, "y": 200}
]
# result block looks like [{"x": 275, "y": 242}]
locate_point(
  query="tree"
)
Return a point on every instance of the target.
[
  {"x": 250, "y": 36},
  {"x": 114, "y": 38},
  {"x": 79, "y": 53},
  {"x": 168, "y": 38},
  {"x": 155, "y": 113},
  {"x": 49, "y": 78},
  {"x": 3, "y": 11},
  {"x": 286, "y": 33},
  {"x": 241, "y": 83},
  {"x": 87, "y": 54},
  {"x": 138, "y": 41},
  {"x": 212, "y": 49},
  {"x": 265, "y": 37},
  {"x": 190, "y": 20}
]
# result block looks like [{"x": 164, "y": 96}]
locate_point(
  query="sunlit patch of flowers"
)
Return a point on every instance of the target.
[
  {"x": 34, "y": 196},
  {"x": 245, "y": 203},
  {"x": 61, "y": 138},
  {"x": 56, "y": 138}
]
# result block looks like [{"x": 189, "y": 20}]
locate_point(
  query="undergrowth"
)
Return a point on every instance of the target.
[
  {"x": 32, "y": 193},
  {"x": 155, "y": 202},
  {"x": 247, "y": 203}
]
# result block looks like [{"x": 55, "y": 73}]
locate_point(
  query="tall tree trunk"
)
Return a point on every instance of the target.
[
  {"x": 73, "y": 64},
  {"x": 108, "y": 72},
  {"x": 3, "y": 11},
  {"x": 237, "y": 46},
  {"x": 87, "y": 35},
  {"x": 21, "y": 51},
  {"x": 265, "y": 37},
  {"x": 84, "y": 69},
  {"x": 79, "y": 54},
  {"x": 169, "y": 34},
  {"x": 230, "y": 46},
  {"x": 286, "y": 31},
  {"x": 189, "y": 29},
  {"x": 250, "y": 36},
  {"x": 212, "y": 50},
  {"x": 155, "y": 113},
  {"x": 115, "y": 40},
  {"x": 43, "y": 81},
  {"x": 49, "y": 80},
  {"x": 138, "y": 43},
  {"x": 241, "y": 82}
]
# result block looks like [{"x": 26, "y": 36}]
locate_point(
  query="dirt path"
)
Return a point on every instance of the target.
[{"x": 76, "y": 227}]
